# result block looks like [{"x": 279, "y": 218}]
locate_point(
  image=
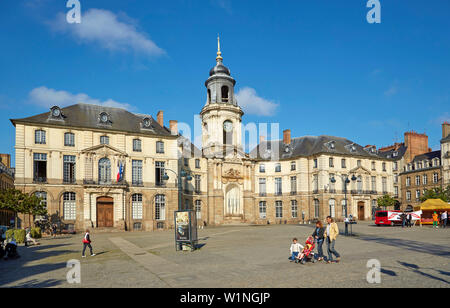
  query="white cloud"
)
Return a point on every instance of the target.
[
  {"x": 46, "y": 97},
  {"x": 251, "y": 103},
  {"x": 104, "y": 28}
]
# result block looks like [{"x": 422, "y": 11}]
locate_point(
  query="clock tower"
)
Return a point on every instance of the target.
[{"x": 221, "y": 116}]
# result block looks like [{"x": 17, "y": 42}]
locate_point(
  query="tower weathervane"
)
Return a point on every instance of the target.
[{"x": 219, "y": 53}]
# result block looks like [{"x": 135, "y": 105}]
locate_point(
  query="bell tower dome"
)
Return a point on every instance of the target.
[{"x": 221, "y": 116}]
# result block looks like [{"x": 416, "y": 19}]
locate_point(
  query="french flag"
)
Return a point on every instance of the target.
[{"x": 120, "y": 171}]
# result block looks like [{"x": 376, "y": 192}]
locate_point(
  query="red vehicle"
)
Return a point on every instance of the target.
[{"x": 382, "y": 218}]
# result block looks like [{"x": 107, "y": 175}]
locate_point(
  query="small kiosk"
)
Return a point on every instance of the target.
[
  {"x": 429, "y": 207},
  {"x": 185, "y": 230}
]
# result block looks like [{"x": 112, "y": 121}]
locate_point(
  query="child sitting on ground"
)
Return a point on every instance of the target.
[{"x": 295, "y": 250}]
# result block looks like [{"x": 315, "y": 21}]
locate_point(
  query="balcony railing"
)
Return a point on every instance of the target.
[{"x": 103, "y": 183}]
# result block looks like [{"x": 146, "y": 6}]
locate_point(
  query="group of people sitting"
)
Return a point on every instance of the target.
[{"x": 321, "y": 234}]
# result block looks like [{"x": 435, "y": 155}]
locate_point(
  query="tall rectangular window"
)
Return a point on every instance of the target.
[
  {"x": 384, "y": 184},
  {"x": 408, "y": 195},
  {"x": 69, "y": 169},
  {"x": 137, "y": 177},
  {"x": 278, "y": 209},
  {"x": 160, "y": 147},
  {"x": 137, "y": 208},
  {"x": 39, "y": 137},
  {"x": 417, "y": 180},
  {"x": 343, "y": 164},
  {"x": 278, "y": 186},
  {"x": 197, "y": 163},
  {"x": 316, "y": 183},
  {"x": 331, "y": 162},
  {"x": 408, "y": 181},
  {"x": 198, "y": 209},
  {"x": 293, "y": 185},
  {"x": 69, "y": 139},
  {"x": 159, "y": 173},
  {"x": 160, "y": 207},
  {"x": 425, "y": 179},
  {"x": 316, "y": 163},
  {"x": 40, "y": 167},
  {"x": 69, "y": 206},
  {"x": 374, "y": 183},
  {"x": 262, "y": 210},
  {"x": 137, "y": 145},
  {"x": 198, "y": 183},
  {"x": 294, "y": 208},
  {"x": 262, "y": 187}
]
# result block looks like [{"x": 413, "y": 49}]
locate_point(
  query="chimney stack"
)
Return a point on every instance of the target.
[
  {"x": 445, "y": 129},
  {"x": 262, "y": 139},
  {"x": 287, "y": 136},
  {"x": 160, "y": 118},
  {"x": 173, "y": 127}
]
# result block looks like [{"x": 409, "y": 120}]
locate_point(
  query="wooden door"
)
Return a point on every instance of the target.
[
  {"x": 361, "y": 211},
  {"x": 105, "y": 212}
]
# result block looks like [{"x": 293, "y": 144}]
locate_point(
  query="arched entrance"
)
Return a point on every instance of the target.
[
  {"x": 233, "y": 202},
  {"x": 105, "y": 212},
  {"x": 361, "y": 210}
]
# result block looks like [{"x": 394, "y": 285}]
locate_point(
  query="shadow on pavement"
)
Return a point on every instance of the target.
[
  {"x": 431, "y": 249},
  {"x": 416, "y": 269},
  {"x": 15, "y": 270}
]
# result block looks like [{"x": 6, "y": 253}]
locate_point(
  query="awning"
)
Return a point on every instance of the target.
[{"x": 433, "y": 204}]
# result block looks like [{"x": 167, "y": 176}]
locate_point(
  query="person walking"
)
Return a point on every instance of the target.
[
  {"x": 435, "y": 220},
  {"x": 319, "y": 237},
  {"x": 331, "y": 233},
  {"x": 403, "y": 217},
  {"x": 444, "y": 218},
  {"x": 54, "y": 229},
  {"x": 87, "y": 243},
  {"x": 409, "y": 220}
]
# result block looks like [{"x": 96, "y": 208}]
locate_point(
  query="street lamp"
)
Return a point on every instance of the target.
[
  {"x": 346, "y": 182},
  {"x": 183, "y": 174}
]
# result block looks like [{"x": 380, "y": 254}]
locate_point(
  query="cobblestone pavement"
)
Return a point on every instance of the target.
[{"x": 236, "y": 256}]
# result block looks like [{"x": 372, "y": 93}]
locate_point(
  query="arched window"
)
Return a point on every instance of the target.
[
  {"x": 104, "y": 171},
  {"x": 43, "y": 196},
  {"x": 227, "y": 132},
  {"x": 160, "y": 207},
  {"x": 136, "y": 206},
  {"x": 233, "y": 206},
  {"x": 316, "y": 208},
  {"x": 224, "y": 94},
  {"x": 69, "y": 206},
  {"x": 332, "y": 203}
]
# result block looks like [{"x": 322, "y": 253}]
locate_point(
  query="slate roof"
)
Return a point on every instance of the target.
[
  {"x": 87, "y": 116},
  {"x": 446, "y": 139},
  {"x": 395, "y": 154},
  {"x": 312, "y": 145},
  {"x": 428, "y": 156}
]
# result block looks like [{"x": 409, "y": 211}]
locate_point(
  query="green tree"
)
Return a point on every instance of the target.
[
  {"x": 386, "y": 201},
  {"x": 437, "y": 193},
  {"x": 19, "y": 202}
]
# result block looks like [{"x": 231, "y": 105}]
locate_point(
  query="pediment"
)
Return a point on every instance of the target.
[
  {"x": 360, "y": 170},
  {"x": 104, "y": 149}
]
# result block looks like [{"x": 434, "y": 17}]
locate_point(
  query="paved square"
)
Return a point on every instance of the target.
[{"x": 236, "y": 256}]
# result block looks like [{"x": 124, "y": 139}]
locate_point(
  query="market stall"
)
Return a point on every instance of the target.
[{"x": 429, "y": 207}]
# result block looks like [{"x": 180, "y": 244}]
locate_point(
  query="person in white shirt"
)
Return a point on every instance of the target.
[
  {"x": 444, "y": 218},
  {"x": 296, "y": 248}
]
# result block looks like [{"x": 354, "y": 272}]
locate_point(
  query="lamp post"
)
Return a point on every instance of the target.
[
  {"x": 183, "y": 174},
  {"x": 346, "y": 182}
]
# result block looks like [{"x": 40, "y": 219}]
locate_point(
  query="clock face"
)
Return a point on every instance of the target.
[
  {"x": 104, "y": 118},
  {"x": 56, "y": 112},
  {"x": 146, "y": 122},
  {"x": 228, "y": 126}
]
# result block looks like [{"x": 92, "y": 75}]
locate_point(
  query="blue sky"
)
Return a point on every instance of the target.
[{"x": 316, "y": 67}]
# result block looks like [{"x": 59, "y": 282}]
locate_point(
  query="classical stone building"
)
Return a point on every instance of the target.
[
  {"x": 104, "y": 167},
  {"x": 445, "y": 154},
  {"x": 421, "y": 174},
  {"x": 6, "y": 182}
]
